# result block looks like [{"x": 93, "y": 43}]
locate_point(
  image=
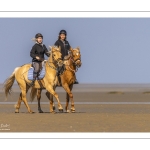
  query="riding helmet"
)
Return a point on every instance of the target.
[
  {"x": 63, "y": 32},
  {"x": 38, "y": 35}
]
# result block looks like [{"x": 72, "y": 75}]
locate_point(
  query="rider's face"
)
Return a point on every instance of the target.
[
  {"x": 62, "y": 36},
  {"x": 39, "y": 40}
]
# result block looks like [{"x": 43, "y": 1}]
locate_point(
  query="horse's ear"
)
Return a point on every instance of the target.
[
  {"x": 78, "y": 48},
  {"x": 50, "y": 47},
  {"x": 59, "y": 48},
  {"x": 71, "y": 48},
  {"x": 50, "y": 51}
]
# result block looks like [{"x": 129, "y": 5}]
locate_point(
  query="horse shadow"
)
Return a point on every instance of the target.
[{"x": 50, "y": 113}]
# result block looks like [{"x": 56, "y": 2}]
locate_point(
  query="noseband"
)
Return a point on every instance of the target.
[
  {"x": 75, "y": 63},
  {"x": 54, "y": 60}
]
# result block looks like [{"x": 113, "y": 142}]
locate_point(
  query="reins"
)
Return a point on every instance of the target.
[
  {"x": 53, "y": 62},
  {"x": 51, "y": 66},
  {"x": 74, "y": 63}
]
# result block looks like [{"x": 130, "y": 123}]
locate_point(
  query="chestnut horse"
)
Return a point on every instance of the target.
[
  {"x": 21, "y": 76},
  {"x": 71, "y": 62}
]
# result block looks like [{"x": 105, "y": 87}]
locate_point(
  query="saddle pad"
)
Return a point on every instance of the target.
[{"x": 41, "y": 74}]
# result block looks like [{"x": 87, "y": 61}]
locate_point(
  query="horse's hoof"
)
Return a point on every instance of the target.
[
  {"x": 53, "y": 107},
  {"x": 53, "y": 112},
  {"x": 31, "y": 112},
  {"x": 40, "y": 111},
  {"x": 73, "y": 110},
  {"x": 60, "y": 110},
  {"x": 16, "y": 110},
  {"x": 68, "y": 111}
]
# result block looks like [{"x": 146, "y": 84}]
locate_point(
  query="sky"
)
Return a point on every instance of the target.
[{"x": 113, "y": 50}]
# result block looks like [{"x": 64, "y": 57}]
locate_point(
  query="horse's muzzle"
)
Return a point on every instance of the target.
[
  {"x": 78, "y": 63},
  {"x": 60, "y": 62}
]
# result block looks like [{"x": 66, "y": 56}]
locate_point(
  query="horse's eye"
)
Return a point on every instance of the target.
[{"x": 54, "y": 55}]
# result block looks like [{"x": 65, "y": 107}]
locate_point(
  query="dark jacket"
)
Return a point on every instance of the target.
[
  {"x": 65, "y": 47},
  {"x": 38, "y": 50}
]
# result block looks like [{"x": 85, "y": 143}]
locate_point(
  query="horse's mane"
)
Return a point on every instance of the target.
[
  {"x": 54, "y": 46},
  {"x": 67, "y": 57}
]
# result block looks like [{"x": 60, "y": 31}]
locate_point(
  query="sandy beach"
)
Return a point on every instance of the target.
[{"x": 99, "y": 108}]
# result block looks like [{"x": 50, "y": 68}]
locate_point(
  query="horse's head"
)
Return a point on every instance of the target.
[
  {"x": 56, "y": 55},
  {"x": 75, "y": 53}
]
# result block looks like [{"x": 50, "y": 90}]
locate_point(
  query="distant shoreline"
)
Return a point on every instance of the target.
[{"x": 86, "y": 87}]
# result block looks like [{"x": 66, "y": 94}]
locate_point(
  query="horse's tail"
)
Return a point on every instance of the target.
[
  {"x": 9, "y": 83},
  {"x": 33, "y": 94}
]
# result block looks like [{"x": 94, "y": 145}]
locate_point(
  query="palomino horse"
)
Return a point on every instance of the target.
[
  {"x": 21, "y": 73},
  {"x": 72, "y": 62}
]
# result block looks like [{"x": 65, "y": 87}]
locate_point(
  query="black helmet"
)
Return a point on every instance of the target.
[
  {"x": 63, "y": 32},
  {"x": 38, "y": 35}
]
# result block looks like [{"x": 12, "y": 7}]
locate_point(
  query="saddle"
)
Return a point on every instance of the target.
[
  {"x": 41, "y": 74},
  {"x": 67, "y": 57}
]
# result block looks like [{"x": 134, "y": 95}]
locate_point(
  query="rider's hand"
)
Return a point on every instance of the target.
[{"x": 37, "y": 57}]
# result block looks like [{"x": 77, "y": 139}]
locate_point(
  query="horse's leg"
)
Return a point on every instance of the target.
[
  {"x": 72, "y": 100},
  {"x": 51, "y": 101},
  {"x": 38, "y": 98},
  {"x": 67, "y": 103},
  {"x": 50, "y": 97},
  {"x": 17, "y": 106},
  {"x": 51, "y": 90},
  {"x": 53, "y": 104},
  {"x": 22, "y": 97},
  {"x": 68, "y": 90}
]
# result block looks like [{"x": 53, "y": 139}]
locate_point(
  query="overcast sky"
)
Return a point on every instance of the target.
[{"x": 114, "y": 50}]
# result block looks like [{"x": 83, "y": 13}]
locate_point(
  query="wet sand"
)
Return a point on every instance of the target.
[{"x": 99, "y": 108}]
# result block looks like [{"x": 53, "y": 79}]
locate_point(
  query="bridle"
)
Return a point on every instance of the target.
[
  {"x": 55, "y": 61},
  {"x": 74, "y": 62}
]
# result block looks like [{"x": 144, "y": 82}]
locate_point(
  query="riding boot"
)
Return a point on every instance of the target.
[
  {"x": 58, "y": 71},
  {"x": 59, "y": 81}
]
